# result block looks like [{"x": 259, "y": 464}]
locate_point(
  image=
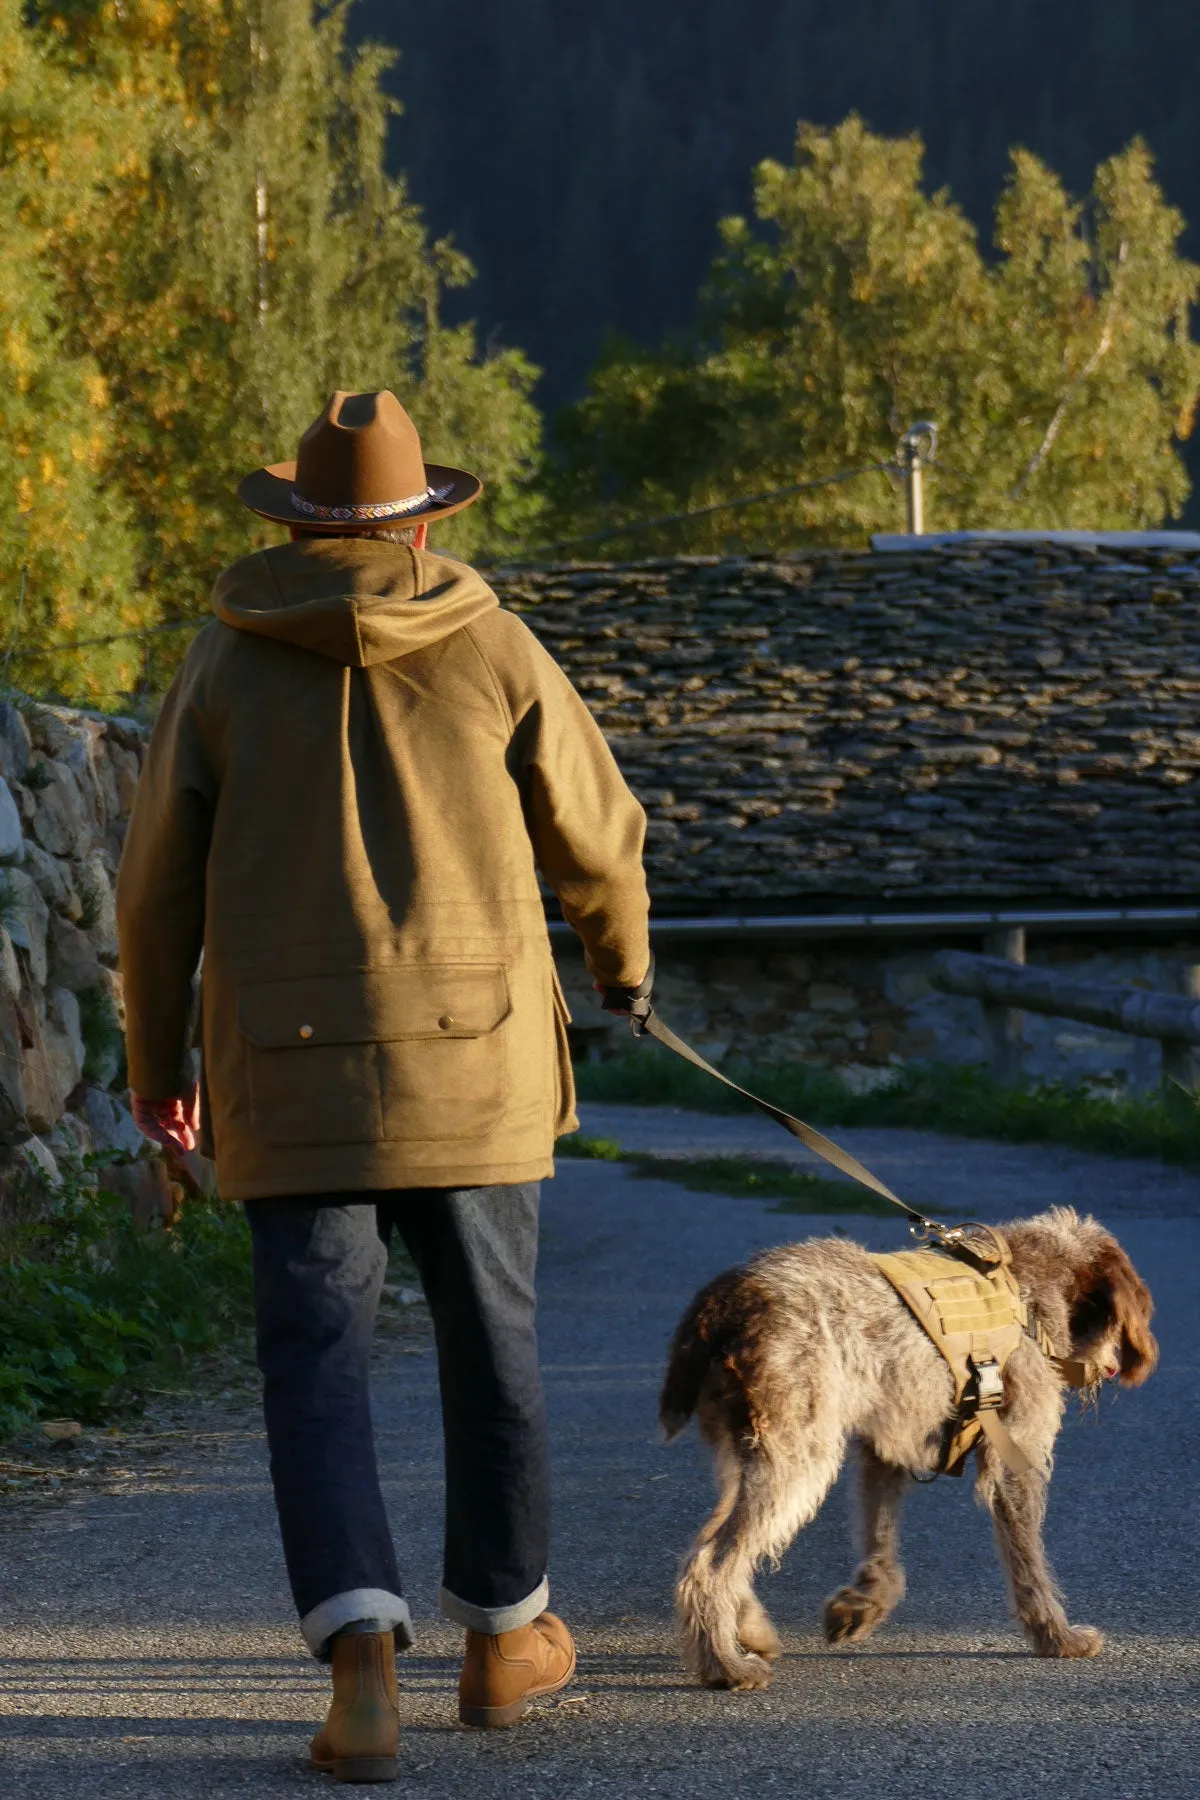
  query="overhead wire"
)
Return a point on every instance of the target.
[
  {"x": 700, "y": 512},
  {"x": 116, "y": 637}
]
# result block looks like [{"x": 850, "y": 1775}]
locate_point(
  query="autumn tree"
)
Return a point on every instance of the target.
[
  {"x": 67, "y": 548},
  {"x": 249, "y": 254},
  {"x": 1061, "y": 373}
]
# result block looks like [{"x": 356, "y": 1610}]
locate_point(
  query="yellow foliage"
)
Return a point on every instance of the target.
[
  {"x": 18, "y": 351},
  {"x": 138, "y": 146}
]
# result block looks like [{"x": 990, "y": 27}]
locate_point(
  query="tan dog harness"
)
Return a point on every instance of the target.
[{"x": 976, "y": 1317}]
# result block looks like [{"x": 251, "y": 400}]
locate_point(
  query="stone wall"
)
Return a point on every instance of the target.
[
  {"x": 67, "y": 784},
  {"x": 862, "y": 1006},
  {"x": 998, "y": 720}
]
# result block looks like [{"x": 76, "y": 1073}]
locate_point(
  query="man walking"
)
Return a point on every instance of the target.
[{"x": 352, "y": 784}]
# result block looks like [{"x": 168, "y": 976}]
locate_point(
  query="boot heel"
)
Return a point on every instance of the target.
[
  {"x": 366, "y": 1768},
  {"x": 492, "y": 1718}
]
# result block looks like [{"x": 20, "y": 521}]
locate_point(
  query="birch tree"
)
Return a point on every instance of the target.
[
  {"x": 1061, "y": 371},
  {"x": 251, "y": 255},
  {"x": 67, "y": 547}
]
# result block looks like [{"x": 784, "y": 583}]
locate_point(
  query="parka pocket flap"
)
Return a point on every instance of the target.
[{"x": 375, "y": 1006}]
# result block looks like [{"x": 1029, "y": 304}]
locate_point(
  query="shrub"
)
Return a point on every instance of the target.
[
  {"x": 95, "y": 1310},
  {"x": 103, "y": 1039}
]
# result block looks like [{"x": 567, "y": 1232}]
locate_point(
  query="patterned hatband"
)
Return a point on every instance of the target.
[{"x": 380, "y": 509}]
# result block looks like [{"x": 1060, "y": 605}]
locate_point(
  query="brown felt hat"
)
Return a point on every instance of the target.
[{"x": 359, "y": 468}]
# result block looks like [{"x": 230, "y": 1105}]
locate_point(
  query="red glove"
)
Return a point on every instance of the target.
[{"x": 174, "y": 1123}]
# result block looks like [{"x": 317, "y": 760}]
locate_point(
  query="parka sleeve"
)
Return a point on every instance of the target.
[
  {"x": 161, "y": 896},
  {"x": 587, "y": 829}
]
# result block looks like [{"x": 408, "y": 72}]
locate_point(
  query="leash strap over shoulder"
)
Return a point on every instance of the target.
[
  {"x": 1003, "y": 1442},
  {"x": 647, "y": 1022}
]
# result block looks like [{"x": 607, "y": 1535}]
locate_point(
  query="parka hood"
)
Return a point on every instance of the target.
[{"x": 354, "y": 600}]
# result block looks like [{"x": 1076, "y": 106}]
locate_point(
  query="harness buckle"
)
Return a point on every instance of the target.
[{"x": 986, "y": 1389}]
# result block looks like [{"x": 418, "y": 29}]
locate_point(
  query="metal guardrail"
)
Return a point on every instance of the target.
[{"x": 932, "y": 921}]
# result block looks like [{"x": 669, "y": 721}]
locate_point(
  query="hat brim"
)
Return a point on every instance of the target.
[{"x": 268, "y": 492}]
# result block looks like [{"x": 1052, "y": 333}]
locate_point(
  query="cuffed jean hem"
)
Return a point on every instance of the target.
[
  {"x": 333, "y": 1615},
  {"x": 495, "y": 1619}
]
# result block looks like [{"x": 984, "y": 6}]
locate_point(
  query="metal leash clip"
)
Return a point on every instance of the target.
[{"x": 973, "y": 1242}]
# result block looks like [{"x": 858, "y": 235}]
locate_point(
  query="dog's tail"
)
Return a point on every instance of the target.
[{"x": 712, "y": 1324}]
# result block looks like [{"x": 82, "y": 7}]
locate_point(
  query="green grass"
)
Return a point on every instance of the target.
[
  {"x": 745, "y": 1177},
  {"x": 960, "y": 1101},
  {"x": 91, "y": 903},
  {"x": 96, "y": 1312},
  {"x": 590, "y": 1149}
]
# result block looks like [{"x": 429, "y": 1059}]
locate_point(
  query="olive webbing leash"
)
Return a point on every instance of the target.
[{"x": 646, "y": 1022}]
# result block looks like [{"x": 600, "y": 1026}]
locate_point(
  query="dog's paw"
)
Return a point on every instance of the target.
[
  {"x": 756, "y": 1632},
  {"x": 850, "y": 1615},
  {"x": 752, "y": 1672},
  {"x": 1077, "y": 1641},
  {"x": 739, "y": 1672}
]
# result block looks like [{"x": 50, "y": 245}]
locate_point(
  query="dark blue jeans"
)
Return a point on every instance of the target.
[{"x": 318, "y": 1269}]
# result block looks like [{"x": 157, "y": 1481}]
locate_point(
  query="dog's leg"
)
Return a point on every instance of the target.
[
  {"x": 1018, "y": 1507},
  {"x": 755, "y": 1630},
  {"x": 726, "y": 1635},
  {"x": 854, "y": 1612}
]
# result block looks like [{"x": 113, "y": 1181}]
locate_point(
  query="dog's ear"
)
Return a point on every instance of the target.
[{"x": 1111, "y": 1295}]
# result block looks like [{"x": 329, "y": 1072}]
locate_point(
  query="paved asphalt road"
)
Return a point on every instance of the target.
[{"x": 145, "y": 1643}]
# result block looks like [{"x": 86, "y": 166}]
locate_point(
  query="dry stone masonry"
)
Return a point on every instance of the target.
[
  {"x": 67, "y": 784},
  {"x": 984, "y": 721}
]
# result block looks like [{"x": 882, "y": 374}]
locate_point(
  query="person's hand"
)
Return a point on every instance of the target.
[
  {"x": 174, "y": 1123},
  {"x": 623, "y": 999}
]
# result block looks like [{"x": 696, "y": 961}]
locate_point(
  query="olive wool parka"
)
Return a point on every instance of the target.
[{"x": 352, "y": 783}]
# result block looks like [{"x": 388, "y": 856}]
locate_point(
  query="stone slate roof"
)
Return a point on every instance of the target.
[{"x": 1016, "y": 722}]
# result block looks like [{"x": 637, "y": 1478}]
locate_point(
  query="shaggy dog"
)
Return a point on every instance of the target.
[{"x": 786, "y": 1359}]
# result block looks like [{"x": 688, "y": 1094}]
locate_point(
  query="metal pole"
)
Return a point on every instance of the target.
[
  {"x": 918, "y": 446},
  {"x": 1181, "y": 1061},
  {"x": 1004, "y": 1024},
  {"x": 916, "y": 498}
]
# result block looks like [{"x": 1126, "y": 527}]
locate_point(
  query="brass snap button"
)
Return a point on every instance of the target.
[
  {"x": 445, "y": 1023},
  {"x": 306, "y": 1031}
]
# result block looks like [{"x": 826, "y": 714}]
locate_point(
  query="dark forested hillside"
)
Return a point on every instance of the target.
[{"x": 581, "y": 155}]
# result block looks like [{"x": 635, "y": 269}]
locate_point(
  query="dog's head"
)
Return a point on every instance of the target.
[
  {"x": 1087, "y": 1293},
  {"x": 1109, "y": 1308}
]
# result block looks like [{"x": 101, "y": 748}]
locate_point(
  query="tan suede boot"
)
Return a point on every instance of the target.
[
  {"x": 502, "y": 1674},
  {"x": 361, "y": 1737}
]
